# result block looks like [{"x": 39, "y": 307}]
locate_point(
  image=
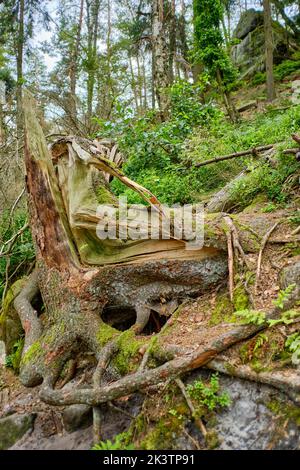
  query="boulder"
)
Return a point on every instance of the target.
[
  {"x": 290, "y": 275},
  {"x": 248, "y": 22},
  {"x": 13, "y": 427},
  {"x": 77, "y": 417}
]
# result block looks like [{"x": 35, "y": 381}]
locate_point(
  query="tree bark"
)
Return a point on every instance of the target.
[{"x": 20, "y": 52}]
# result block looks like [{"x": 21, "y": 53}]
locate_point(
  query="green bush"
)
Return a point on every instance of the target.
[{"x": 22, "y": 252}]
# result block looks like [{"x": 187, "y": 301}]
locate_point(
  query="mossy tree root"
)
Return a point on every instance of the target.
[
  {"x": 31, "y": 324},
  {"x": 288, "y": 380},
  {"x": 170, "y": 370}
]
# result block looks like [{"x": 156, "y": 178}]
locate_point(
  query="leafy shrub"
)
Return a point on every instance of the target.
[
  {"x": 286, "y": 68},
  {"x": 22, "y": 252},
  {"x": 209, "y": 394},
  {"x": 292, "y": 345}
]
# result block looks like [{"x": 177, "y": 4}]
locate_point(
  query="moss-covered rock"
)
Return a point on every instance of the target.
[
  {"x": 13, "y": 427},
  {"x": 10, "y": 326}
]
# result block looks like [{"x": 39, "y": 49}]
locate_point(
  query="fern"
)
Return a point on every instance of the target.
[
  {"x": 261, "y": 339},
  {"x": 252, "y": 317},
  {"x": 119, "y": 443},
  {"x": 283, "y": 296},
  {"x": 292, "y": 344}
]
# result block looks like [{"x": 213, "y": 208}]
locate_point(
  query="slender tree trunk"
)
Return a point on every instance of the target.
[
  {"x": 20, "y": 52},
  {"x": 161, "y": 54},
  {"x": 172, "y": 34},
  {"x": 133, "y": 84},
  {"x": 92, "y": 24},
  {"x": 74, "y": 64},
  {"x": 269, "y": 48},
  {"x": 144, "y": 83},
  {"x": 230, "y": 108}
]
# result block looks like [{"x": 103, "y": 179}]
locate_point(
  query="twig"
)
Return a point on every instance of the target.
[
  {"x": 198, "y": 421},
  {"x": 263, "y": 245},
  {"x": 191, "y": 438}
]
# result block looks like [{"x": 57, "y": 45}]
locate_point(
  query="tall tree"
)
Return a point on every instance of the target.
[
  {"x": 19, "y": 57},
  {"x": 269, "y": 47}
]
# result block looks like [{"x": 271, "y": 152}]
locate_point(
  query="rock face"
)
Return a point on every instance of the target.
[
  {"x": 290, "y": 275},
  {"x": 13, "y": 427},
  {"x": 77, "y": 417},
  {"x": 249, "y": 54},
  {"x": 249, "y": 21}
]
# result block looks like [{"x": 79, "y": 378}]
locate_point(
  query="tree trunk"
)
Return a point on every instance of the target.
[
  {"x": 74, "y": 64},
  {"x": 83, "y": 278},
  {"x": 160, "y": 57},
  {"x": 271, "y": 95},
  {"x": 20, "y": 52}
]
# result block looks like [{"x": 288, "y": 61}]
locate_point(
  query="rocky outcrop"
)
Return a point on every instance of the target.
[
  {"x": 249, "y": 54},
  {"x": 13, "y": 427}
]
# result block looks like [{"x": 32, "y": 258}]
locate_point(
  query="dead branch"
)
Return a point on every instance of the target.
[
  {"x": 262, "y": 248},
  {"x": 254, "y": 151}
]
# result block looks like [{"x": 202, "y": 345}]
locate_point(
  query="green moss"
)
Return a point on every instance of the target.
[
  {"x": 104, "y": 196},
  {"x": 240, "y": 297},
  {"x": 223, "y": 311},
  {"x": 35, "y": 351},
  {"x": 105, "y": 334},
  {"x": 127, "y": 358},
  {"x": 285, "y": 410},
  {"x": 163, "y": 435},
  {"x": 212, "y": 439}
]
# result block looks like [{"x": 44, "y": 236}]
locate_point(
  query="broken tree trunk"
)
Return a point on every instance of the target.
[{"x": 83, "y": 279}]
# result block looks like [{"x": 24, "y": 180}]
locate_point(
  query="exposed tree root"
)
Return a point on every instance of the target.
[
  {"x": 288, "y": 381},
  {"x": 170, "y": 370},
  {"x": 31, "y": 324}
]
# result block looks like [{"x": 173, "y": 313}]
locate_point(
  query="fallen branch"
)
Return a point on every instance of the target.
[
  {"x": 230, "y": 260},
  {"x": 254, "y": 151}
]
